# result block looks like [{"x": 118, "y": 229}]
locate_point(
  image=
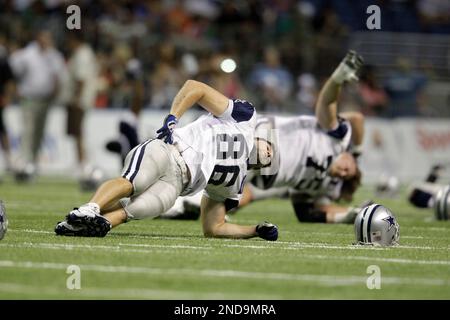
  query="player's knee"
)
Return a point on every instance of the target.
[{"x": 142, "y": 208}]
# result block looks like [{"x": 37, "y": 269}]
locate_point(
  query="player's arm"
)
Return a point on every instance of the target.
[
  {"x": 338, "y": 214},
  {"x": 356, "y": 120},
  {"x": 191, "y": 93},
  {"x": 194, "y": 92},
  {"x": 214, "y": 225},
  {"x": 326, "y": 107}
]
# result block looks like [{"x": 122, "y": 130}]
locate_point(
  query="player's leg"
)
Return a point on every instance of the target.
[
  {"x": 154, "y": 201},
  {"x": 422, "y": 194},
  {"x": 145, "y": 165},
  {"x": 185, "y": 208}
]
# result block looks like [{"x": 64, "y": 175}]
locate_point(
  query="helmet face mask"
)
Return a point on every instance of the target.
[
  {"x": 442, "y": 204},
  {"x": 376, "y": 225}
]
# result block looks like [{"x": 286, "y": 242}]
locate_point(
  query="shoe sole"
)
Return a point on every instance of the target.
[{"x": 95, "y": 226}]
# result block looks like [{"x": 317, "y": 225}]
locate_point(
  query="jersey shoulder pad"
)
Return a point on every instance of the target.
[
  {"x": 242, "y": 110},
  {"x": 340, "y": 131}
]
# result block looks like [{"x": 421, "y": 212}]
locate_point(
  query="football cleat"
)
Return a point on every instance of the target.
[
  {"x": 64, "y": 228},
  {"x": 3, "y": 220},
  {"x": 87, "y": 216},
  {"x": 347, "y": 69},
  {"x": 267, "y": 231}
]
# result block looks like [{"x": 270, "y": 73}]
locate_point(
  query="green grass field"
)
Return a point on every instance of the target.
[{"x": 160, "y": 259}]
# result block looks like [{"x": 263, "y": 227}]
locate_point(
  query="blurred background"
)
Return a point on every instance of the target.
[{"x": 275, "y": 53}]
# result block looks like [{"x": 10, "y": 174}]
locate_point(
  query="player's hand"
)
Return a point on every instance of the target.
[
  {"x": 165, "y": 132},
  {"x": 267, "y": 231},
  {"x": 347, "y": 69}
]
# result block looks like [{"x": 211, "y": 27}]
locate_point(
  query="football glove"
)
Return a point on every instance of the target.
[
  {"x": 267, "y": 231},
  {"x": 165, "y": 132},
  {"x": 347, "y": 69}
]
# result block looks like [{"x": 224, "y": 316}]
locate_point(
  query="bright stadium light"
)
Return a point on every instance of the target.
[{"x": 228, "y": 65}]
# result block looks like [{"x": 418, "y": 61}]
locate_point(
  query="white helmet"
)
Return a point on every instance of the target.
[
  {"x": 376, "y": 225},
  {"x": 3, "y": 220},
  {"x": 442, "y": 203}
]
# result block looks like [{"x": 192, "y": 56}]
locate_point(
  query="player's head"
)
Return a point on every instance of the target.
[
  {"x": 262, "y": 154},
  {"x": 344, "y": 166}
]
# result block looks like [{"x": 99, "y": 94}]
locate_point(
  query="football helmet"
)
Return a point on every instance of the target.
[
  {"x": 376, "y": 225},
  {"x": 3, "y": 220},
  {"x": 442, "y": 203}
]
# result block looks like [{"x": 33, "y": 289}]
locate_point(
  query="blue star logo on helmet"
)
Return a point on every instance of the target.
[{"x": 391, "y": 221}]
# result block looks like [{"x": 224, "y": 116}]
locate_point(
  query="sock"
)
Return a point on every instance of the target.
[{"x": 94, "y": 206}]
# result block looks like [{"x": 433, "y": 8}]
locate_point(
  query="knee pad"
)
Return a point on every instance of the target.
[
  {"x": 420, "y": 198},
  {"x": 306, "y": 212},
  {"x": 153, "y": 202}
]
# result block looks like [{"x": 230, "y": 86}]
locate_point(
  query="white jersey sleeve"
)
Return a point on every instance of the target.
[{"x": 303, "y": 154}]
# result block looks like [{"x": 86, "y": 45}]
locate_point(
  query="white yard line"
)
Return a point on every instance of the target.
[
  {"x": 150, "y": 248},
  {"x": 290, "y": 244},
  {"x": 392, "y": 260},
  {"x": 124, "y": 293},
  {"x": 326, "y": 280}
]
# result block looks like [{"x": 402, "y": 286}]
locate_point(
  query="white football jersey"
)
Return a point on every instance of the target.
[
  {"x": 303, "y": 153},
  {"x": 216, "y": 151}
]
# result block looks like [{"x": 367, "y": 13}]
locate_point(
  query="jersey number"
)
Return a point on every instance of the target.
[
  {"x": 226, "y": 149},
  {"x": 320, "y": 172}
]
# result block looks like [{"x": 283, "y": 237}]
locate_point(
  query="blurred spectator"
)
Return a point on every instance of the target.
[
  {"x": 434, "y": 15},
  {"x": 6, "y": 77},
  {"x": 128, "y": 136},
  {"x": 81, "y": 89},
  {"x": 38, "y": 69},
  {"x": 272, "y": 81},
  {"x": 373, "y": 97},
  {"x": 310, "y": 37},
  {"x": 167, "y": 77},
  {"x": 307, "y": 93},
  {"x": 329, "y": 42},
  {"x": 404, "y": 88}
]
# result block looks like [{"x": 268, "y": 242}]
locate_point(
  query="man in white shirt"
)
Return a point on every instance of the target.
[
  {"x": 38, "y": 69},
  {"x": 81, "y": 89}
]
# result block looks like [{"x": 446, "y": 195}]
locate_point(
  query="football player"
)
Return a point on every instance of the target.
[
  {"x": 212, "y": 153},
  {"x": 434, "y": 192},
  {"x": 314, "y": 158}
]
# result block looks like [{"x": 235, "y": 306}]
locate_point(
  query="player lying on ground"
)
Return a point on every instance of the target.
[
  {"x": 311, "y": 162},
  {"x": 212, "y": 153},
  {"x": 434, "y": 192}
]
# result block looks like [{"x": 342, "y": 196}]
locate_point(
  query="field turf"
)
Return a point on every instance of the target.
[{"x": 161, "y": 259}]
